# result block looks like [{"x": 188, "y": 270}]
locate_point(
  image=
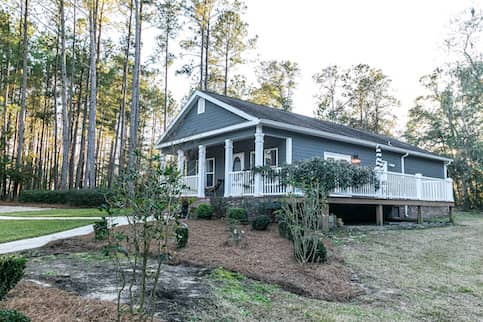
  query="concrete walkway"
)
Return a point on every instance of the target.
[
  {"x": 31, "y": 243},
  {"x": 48, "y": 218},
  {"x": 7, "y": 209}
]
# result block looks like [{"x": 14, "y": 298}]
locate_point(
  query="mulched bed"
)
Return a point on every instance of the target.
[
  {"x": 42, "y": 304},
  {"x": 267, "y": 257}
]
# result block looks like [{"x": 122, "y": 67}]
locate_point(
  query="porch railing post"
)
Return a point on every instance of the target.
[
  {"x": 201, "y": 170},
  {"x": 258, "y": 160},
  {"x": 181, "y": 161},
  {"x": 449, "y": 189},
  {"x": 228, "y": 166},
  {"x": 419, "y": 186}
]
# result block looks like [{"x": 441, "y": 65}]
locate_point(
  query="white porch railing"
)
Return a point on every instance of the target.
[
  {"x": 389, "y": 185},
  {"x": 242, "y": 183},
  {"x": 191, "y": 185}
]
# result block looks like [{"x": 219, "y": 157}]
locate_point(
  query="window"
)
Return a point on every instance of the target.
[
  {"x": 270, "y": 157},
  {"x": 238, "y": 162},
  {"x": 337, "y": 157},
  {"x": 210, "y": 172},
  {"x": 190, "y": 167},
  {"x": 201, "y": 105}
]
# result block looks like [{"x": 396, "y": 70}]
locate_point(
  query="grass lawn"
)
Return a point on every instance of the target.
[
  {"x": 409, "y": 275},
  {"x": 83, "y": 212},
  {"x": 19, "y": 229}
]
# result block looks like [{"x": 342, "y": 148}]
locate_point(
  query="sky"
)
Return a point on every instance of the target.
[{"x": 403, "y": 38}]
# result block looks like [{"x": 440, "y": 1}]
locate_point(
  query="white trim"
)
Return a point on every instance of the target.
[
  {"x": 403, "y": 167},
  {"x": 337, "y": 156},
  {"x": 201, "y": 105},
  {"x": 211, "y": 99},
  {"x": 208, "y": 134},
  {"x": 288, "y": 150},
  {"x": 207, "y": 173},
  {"x": 343, "y": 138},
  {"x": 240, "y": 155},
  {"x": 228, "y": 164},
  {"x": 227, "y": 107}
]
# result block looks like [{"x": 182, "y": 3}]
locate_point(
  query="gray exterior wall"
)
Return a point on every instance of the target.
[
  {"x": 427, "y": 167},
  {"x": 193, "y": 123}
]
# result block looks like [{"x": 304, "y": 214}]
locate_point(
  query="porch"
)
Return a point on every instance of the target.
[{"x": 225, "y": 168}]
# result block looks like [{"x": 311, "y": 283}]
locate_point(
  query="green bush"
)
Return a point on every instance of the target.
[
  {"x": 204, "y": 211},
  {"x": 182, "y": 232},
  {"x": 101, "y": 229},
  {"x": 72, "y": 197},
  {"x": 317, "y": 256},
  {"x": 261, "y": 222},
  {"x": 12, "y": 316},
  {"x": 219, "y": 206},
  {"x": 238, "y": 214},
  {"x": 11, "y": 271}
]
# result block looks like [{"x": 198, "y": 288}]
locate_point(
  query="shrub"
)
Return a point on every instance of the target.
[
  {"x": 72, "y": 197},
  {"x": 238, "y": 214},
  {"x": 261, "y": 222},
  {"x": 311, "y": 249},
  {"x": 204, "y": 211},
  {"x": 182, "y": 235},
  {"x": 185, "y": 205},
  {"x": 101, "y": 229},
  {"x": 12, "y": 316},
  {"x": 11, "y": 271},
  {"x": 219, "y": 206}
]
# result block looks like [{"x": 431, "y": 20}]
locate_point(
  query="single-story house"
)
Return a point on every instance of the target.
[{"x": 217, "y": 139}]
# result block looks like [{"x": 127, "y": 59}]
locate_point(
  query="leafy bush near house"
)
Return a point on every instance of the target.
[
  {"x": 219, "y": 206},
  {"x": 72, "y": 197},
  {"x": 312, "y": 250},
  {"x": 101, "y": 229},
  {"x": 11, "y": 271},
  {"x": 204, "y": 211},
  {"x": 12, "y": 316},
  {"x": 182, "y": 232},
  {"x": 261, "y": 222},
  {"x": 238, "y": 214}
]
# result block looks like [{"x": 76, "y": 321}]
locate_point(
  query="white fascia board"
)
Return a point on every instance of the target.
[
  {"x": 343, "y": 138},
  {"x": 215, "y": 101},
  {"x": 208, "y": 134}
]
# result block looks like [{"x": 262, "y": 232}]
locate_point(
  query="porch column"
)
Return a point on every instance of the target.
[
  {"x": 288, "y": 150},
  {"x": 379, "y": 215},
  {"x": 181, "y": 161},
  {"x": 201, "y": 170},
  {"x": 162, "y": 161},
  {"x": 258, "y": 160},
  {"x": 228, "y": 165}
]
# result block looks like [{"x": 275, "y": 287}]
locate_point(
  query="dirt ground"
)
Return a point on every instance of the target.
[
  {"x": 43, "y": 304},
  {"x": 266, "y": 257}
]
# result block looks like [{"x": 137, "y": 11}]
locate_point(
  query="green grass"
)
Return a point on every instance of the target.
[
  {"x": 432, "y": 274},
  {"x": 78, "y": 212},
  {"x": 19, "y": 229}
]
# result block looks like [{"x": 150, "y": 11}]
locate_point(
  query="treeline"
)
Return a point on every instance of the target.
[{"x": 81, "y": 99}]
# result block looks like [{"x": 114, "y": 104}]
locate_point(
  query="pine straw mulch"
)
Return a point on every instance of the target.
[
  {"x": 267, "y": 257},
  {"x": 42, "y": 304}
]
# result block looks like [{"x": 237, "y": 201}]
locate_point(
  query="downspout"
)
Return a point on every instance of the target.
[
  {"x": 446, "y": 168},
  {"x": 403, "y": 170}
]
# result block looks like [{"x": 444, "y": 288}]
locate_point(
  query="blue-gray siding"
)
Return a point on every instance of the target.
[{"x": 193, "y": 123}]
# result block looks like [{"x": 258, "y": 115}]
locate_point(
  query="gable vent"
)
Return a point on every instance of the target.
[{"x": 201, "y": 105}]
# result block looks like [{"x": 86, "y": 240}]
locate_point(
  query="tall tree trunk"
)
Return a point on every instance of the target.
[
  {"x": 65, "y": 114},
  {"x": 166, "y": 61},
  {"x": 133, "y": 127},
  {"x": 125, "y": 66},
  {"x": 207, "y": 44},
  {"x": 4, "y": 130},
  {"x": 79, "y": 178},
  {"x": 21, "y": 127},
  {"x": 225, "y": 90},
  {"x": 91, "y": 131},
  {"x": 74, "y": 132}
]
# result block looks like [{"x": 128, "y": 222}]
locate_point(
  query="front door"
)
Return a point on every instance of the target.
[{"x": 238, "y": 162}]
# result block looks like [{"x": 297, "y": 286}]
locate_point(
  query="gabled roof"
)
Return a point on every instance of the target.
[{"x": 304, "y": 124}]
